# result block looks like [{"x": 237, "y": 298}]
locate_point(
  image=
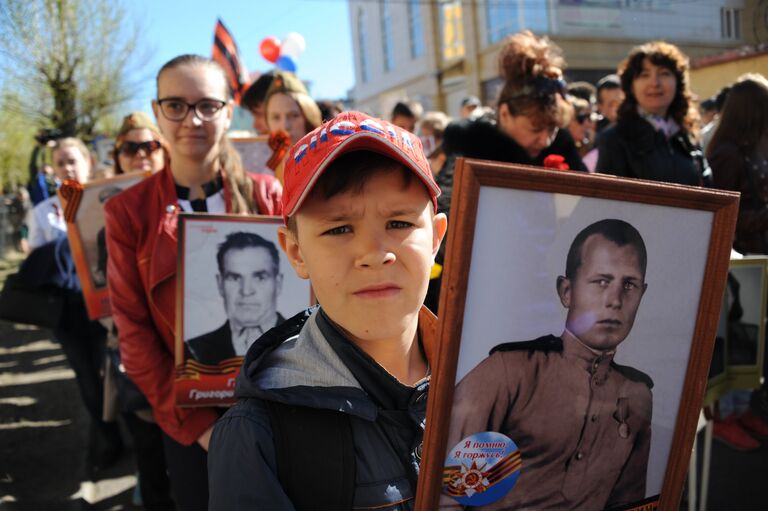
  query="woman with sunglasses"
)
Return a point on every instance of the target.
[
  {"x": 531, "y": 113},
  {"x": 204, "y": 175},
  {"x": 139, "y": 146},
  {"x": 581, "y": 127}
]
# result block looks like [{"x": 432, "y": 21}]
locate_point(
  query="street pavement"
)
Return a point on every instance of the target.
[{"x": 43, "y": 432}]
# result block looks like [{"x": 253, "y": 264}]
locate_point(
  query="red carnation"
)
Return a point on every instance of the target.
[{"x": 555, "y": 161}]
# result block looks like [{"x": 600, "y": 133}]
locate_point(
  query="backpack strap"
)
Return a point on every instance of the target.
[{"x": 315, "y": 456}]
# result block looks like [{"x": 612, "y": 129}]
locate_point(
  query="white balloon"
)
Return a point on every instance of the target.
[{"x": 293, "y": 45}]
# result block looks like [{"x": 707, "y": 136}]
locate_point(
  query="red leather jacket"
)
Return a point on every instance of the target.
[{"x": 141, "y": 242}]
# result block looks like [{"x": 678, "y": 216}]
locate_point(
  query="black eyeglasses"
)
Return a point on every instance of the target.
[
  {"x": 580, "y": 118},
  {"x": 174, "y": 109},
  {"x": 132, "y": 148}
]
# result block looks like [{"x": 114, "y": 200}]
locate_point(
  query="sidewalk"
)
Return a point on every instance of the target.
[
  {"x": 738, "y": 481},
  {"x": 44, "y": 426}
]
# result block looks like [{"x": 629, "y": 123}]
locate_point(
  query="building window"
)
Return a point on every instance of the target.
[
  {"x": 505, "y": 18},
  {"x": 730, "y": 23},
  {"x": 415, "y": 28},
  {"x": 451, "y": 29},
  {"x": 361, "y": 45},
  {"x": 386, "y": 34}
]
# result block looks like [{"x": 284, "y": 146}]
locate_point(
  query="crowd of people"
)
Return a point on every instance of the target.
[{"x": 641, "y": 122}]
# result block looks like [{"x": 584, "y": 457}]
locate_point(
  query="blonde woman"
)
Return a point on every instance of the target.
[{"x": 82, "y": 340}]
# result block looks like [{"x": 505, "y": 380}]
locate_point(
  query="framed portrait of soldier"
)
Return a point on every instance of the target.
[
  {"x": 576, "y": 324},
  {"x": 84, "y": 212},
  {"x": 234, "y": 284}
]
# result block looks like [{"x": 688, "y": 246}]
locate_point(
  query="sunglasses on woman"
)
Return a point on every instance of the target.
[{"x": 132, "y": 148}]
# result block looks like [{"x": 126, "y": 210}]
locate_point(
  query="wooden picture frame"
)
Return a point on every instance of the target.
[
  {"x": 218, "y": 316},
  {"x": 83, "y": 206},
  {"x": 510, "y": 230}
]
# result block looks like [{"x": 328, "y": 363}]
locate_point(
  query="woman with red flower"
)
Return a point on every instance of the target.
[{"x": 531, "y": 113}]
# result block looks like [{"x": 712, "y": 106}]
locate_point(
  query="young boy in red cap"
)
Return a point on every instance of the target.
[{"x": 332, "y": 403}]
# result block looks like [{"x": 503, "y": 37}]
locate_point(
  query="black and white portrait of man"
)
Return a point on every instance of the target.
[{"x": 249, "y": 282}]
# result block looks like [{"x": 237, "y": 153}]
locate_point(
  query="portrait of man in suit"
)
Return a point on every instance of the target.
[{"x": 249, "y": 281}]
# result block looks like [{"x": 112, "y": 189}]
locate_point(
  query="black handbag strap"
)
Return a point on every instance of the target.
[{"x": 315, "y": 456}]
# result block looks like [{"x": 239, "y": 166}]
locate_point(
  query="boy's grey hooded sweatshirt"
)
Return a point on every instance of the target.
[{"x": 308, "y": 362}]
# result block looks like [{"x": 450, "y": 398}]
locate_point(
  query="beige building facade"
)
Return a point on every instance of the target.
[
  {"x": 440, "y": 51},
  {"x": 709, "y": 75}
]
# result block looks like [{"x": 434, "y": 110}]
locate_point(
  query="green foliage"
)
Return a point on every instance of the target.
[
  {"x": 67, "y": 60},
  {"x": 16, "y": 144}
]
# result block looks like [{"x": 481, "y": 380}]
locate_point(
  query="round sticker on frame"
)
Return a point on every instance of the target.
[{"x": 481, "y": 469}]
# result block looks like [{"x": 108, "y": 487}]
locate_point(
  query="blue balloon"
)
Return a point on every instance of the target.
[{"x": 286, "y": 63}]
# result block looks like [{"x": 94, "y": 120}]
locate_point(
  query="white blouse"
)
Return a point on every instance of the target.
[{"x": 46, "y": 222}]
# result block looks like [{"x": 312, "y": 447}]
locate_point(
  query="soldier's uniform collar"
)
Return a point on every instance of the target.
[{"x": 596, "y": 363}]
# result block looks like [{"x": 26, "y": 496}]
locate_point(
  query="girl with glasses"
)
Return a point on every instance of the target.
[{"x": 203, "y": 174}]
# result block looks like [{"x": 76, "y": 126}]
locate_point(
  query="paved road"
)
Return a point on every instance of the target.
[{"x": 43, "y": 430}]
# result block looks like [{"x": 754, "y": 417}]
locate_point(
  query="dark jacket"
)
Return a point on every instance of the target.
[
  {"x": 319, "y": 368},
  {"x": 737, "y": 170},
  {"x": 212, "y": 347},
  {"x": 633, "y": 148},
  {"x": 483, "y": 140},
  {"x": 215, "y": 346}
]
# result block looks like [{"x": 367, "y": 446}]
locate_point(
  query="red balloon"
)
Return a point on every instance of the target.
[{"x": 270, "y": 48}]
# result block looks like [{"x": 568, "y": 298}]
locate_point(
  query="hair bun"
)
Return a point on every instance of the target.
[
  {"x": 532, "y": 69},
  {"x": 525, "y": 57}
]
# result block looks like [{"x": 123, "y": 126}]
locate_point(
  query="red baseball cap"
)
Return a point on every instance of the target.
[{"x": 347, "y": 132}]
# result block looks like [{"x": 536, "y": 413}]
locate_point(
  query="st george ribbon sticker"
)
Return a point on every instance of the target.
[{"x": 481, "y": 469}]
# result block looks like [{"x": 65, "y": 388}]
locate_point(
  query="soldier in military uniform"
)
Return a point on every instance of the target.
[{"x": 581, "y": 421}]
